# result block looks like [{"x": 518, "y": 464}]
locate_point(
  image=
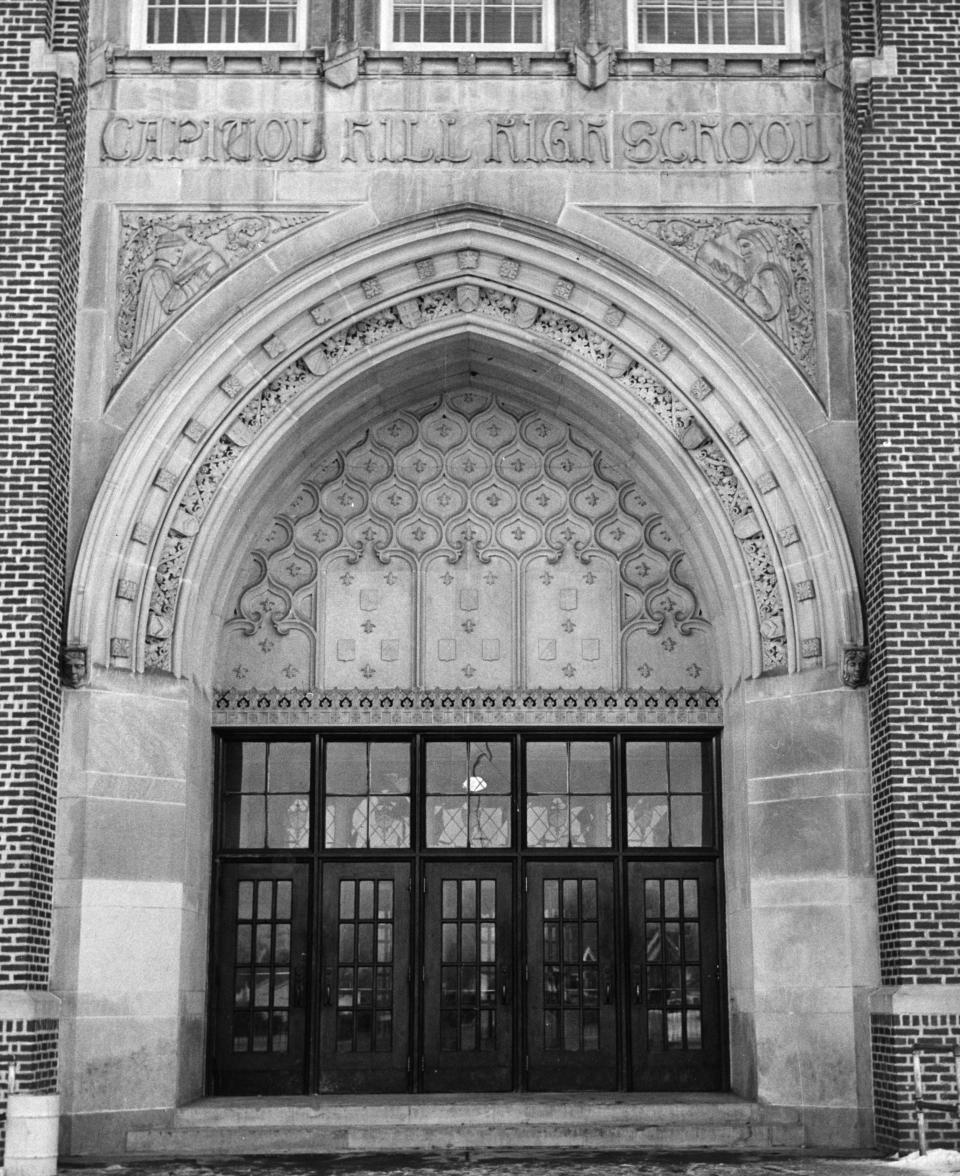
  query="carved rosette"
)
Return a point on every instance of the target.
[
  {"x": 763, "y": 260},
  {"x": 167, "y": 258},
  {"x": 478, "y": 298},
  {"x": 479, "y": 544}
]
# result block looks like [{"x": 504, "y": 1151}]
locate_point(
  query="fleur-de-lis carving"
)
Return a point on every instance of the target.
[
  {"x": 468, "y": 671},
  {"x": 569, "y": 670},
  {"x": 368, "y": 626},
  {"x": 368, "y": 671}
]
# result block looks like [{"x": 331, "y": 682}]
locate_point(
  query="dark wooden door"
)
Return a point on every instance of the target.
[
  {"x": 364, "y": 977},
  {"x": 674, "y": 976},
  {"x": 571, "y": 977},
  {"x": 468, "y": 977},
  {"x": 260, "y": 1020}
]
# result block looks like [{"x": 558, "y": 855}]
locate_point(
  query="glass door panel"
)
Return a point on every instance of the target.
[
  {"x": 365, "y": 977},
  {"x": 674, "y": 977},
  {"x": 260, "y": 1020},
  {"x": 468, "y": 977},
  {"x": 571, "y": 977}
]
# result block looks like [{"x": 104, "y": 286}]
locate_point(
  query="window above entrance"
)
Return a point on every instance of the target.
[
  {"x": 721, "y": 25},
  {"x": 500, "y": 24},
  {"x": 222, "y": 24}
]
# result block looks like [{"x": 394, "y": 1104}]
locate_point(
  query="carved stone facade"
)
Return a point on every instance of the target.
[
  {"x": 764, "y": 261},
  {"x": 168, "y": 257},
  {"x": 477, "y": 544}
]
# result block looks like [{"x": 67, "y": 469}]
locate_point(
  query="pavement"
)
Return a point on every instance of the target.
[{"x": 526, "y": 1163}]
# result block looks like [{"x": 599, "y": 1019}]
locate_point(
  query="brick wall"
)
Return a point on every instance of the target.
[
  {"x": 903, "y": 178},
  {"x": 41, "y": 144}
]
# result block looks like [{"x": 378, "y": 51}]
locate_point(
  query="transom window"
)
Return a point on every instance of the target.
[
  {"x": 223, "y": 24},
  {"x": 539, "y": 793},
  {"x": 716, "y": 24},
  {"x": 502, "y": 23}
]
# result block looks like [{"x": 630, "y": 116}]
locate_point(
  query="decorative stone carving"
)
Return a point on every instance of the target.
[
  {"x": 737, "y": 433},
  {"x": 767, "y": 482},
  {"x": 231, "y": 386},
  {"x": 73, "y": 664},
  {"x": 659, "y": 350},
  {"x": 567, "y": 333},
  {"x": 765, "y": 261},
  {"x": 789, "y": 535},
  {"x": 511, "y": 535},
  {"x": 167, "y": 258},
  {"x": 165, "y": 480},
  {"x": 855, "y": 669},
  {"x": 372, "y": 706}
]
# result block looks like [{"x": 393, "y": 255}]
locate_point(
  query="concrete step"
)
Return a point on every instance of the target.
[{"x": 301, "y": 1126}]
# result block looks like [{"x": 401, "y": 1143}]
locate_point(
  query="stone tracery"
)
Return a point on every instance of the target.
[{"x": 479, "y": 544}]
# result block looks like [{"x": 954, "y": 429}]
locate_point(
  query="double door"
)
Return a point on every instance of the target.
[{"x": 495, "y": 974}]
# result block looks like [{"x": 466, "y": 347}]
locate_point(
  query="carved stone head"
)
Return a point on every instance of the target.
[
  {"x": 856, "y": 661},
  {"x": 74, "y": 664}
]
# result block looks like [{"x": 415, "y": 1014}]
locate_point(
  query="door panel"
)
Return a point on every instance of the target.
[
  {"x": 260, "y": 1024},
  {"x": 364, "y": 989},
  {"x": 674, "y": 977},
  {"x": 571, "y": 973},
  {"x": 468, "y": 977}
]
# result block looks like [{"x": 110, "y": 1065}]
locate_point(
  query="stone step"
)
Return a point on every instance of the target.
[{"x": 337, "y": 1124}]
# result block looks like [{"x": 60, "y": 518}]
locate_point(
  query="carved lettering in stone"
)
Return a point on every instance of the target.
[
  {"x": 167, "y": 258},
  {"x": 764, "y": 261},
  {"x": 232, "y": 139}
]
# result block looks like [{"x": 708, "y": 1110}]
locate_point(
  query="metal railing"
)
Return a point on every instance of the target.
[{"x": 920, "y": 1104}]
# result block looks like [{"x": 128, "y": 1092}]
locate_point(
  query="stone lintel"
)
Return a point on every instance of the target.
[{"x": 28, "y": 1004}]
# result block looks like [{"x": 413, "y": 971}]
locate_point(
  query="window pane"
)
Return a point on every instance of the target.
[
  {"x": 468, "y": 22},
  {"x": 390, "y": 767},
  {"x": 712, "y": 22},
  {"x": 546, "y": 768},
  {"x": 347, "y": 769},
  {"x": 211, "y": 22},
  {"x": 686, "y": 772},
  {"x": 289, "y": 769},
  {"x": 646, "y": 767},
  {"x": 446, "y": 768},
  {"x": 590, "y": 768}
]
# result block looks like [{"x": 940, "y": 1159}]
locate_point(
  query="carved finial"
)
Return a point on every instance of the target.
[
  {"x": 855, "y": 669},
  {"x": 73, "y": 664}
]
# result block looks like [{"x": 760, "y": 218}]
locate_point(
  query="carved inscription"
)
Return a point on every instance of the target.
[{"x": 591, "y": 140}]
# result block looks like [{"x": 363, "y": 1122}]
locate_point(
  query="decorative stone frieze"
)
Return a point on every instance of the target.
[
  {"x": 763, "y": 260},
  {"x": 420, "y": 708}
]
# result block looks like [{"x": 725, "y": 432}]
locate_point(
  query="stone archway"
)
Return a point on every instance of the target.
[{"x": 467, "y": 299}]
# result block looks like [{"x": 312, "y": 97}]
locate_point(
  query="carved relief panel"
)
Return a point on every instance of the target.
[{"x": 478, "y": 544}]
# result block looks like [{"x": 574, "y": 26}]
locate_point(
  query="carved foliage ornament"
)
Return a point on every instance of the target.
[
  {"x": 168, "y": 258},
  {"x": 389, "y": 321},
  {"x": 764, "y": 261}
]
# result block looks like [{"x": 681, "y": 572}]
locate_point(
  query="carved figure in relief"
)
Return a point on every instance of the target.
[
  {"x": 167, "y": 284},
  {"x": 166, "y": 259},
  {"x": 744, "y": 261},
  {"x": 764, "y": 261}
]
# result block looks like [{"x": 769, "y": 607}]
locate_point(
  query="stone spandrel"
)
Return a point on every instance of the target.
[{"x": 476, "y": 546}]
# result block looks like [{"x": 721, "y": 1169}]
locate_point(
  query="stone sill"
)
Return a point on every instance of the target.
[{"x": 378, "y": 63}]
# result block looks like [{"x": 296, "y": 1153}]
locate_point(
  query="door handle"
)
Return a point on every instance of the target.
[
  {"x": 504, "y": 987},
  {"x": 298, "y": 985},
  {"x": 607, "y": 988},
  {"x": 327, "y": 987},
  {"x": 637, "y": 994}
]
